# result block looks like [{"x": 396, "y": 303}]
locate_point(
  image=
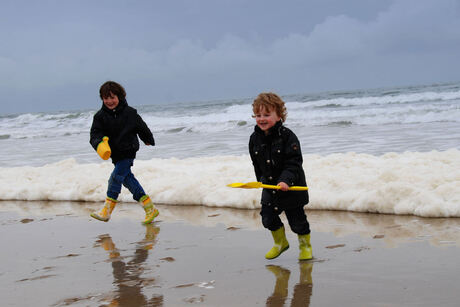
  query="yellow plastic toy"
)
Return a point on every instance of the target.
[
  {"x": 103, "y": 149},
  {"x": 258, "y": 185}
]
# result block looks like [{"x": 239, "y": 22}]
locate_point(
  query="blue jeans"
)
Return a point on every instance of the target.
[{"x": 122, "y": 175}]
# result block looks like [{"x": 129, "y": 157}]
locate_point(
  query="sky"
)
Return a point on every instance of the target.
[{"x": 54, "y": 55}]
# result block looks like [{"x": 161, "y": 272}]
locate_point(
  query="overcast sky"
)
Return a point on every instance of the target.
[{"x": 54, "y": 55}]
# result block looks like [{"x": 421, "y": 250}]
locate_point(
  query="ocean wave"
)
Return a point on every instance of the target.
[
  {"x": 386, "y": 99},
  {"x": 328, "y": 106},
  {"x": 431, "y": 104},
  {"x": 410, "y": 183},
  {"x": 340, "y": 123},
  {"x": 44, "y": 125}
]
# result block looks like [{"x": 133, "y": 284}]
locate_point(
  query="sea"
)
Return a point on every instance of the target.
[{"x": 385, "y": 151}]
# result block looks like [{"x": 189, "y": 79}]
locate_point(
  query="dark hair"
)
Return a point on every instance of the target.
[
  {"x": 111, "y": 87},
  {"x": 270, "y": 101}
]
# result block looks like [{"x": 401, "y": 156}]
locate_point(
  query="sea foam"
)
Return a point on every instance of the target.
[{"x": 410, "y": 183}]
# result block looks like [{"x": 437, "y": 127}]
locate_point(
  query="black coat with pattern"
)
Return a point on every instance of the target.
[
  {"x": 122, "y": 125},
  {"x": 277, "y": 157}
]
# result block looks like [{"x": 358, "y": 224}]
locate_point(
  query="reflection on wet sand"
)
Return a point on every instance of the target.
[
  {"x": 127, "y": 275},
  {"x": 51, "y": 259},
  {"x": 302, "y": 290},
  {"x": 392, "y": 229}
]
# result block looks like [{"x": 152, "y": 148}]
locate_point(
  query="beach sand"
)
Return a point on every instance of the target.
[{"x": 54, "y": 254}]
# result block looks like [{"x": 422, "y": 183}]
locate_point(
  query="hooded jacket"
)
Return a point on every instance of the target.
[
  {"x": 277, "y": 157},
  {"x": 122, "y": 125}
]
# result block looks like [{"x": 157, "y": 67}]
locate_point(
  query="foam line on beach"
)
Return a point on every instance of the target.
[{"x": 409, "y": 183}]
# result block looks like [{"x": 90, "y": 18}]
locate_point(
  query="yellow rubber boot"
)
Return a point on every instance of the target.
[
  {"x": 106, "y": 211},
  {"x": 281, "y": 243},
  {"x": 150, "y": 211},
  {"x": 305, "y": 247}
]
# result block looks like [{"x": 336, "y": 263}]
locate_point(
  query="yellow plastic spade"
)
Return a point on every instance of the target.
[
  {"x": 258, "y": 185},
  {"x": 103, "y": 149}
]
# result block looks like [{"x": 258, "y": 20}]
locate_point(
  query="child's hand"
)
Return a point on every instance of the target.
[{"x": 284, "y": 186}]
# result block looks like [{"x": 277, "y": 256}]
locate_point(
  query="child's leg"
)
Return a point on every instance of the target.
[
  {"x": 270, "y": 218},
  {"x": 131, "y": 183},
  {"x": 298, "y": 221},
  {"x": 272, "y": 221},
  {"x": 118, "y": 176},
  {"x": 133, "y": 186},
  {"x": 122, "y": 168},
  {"x": 299, "y": 224}
]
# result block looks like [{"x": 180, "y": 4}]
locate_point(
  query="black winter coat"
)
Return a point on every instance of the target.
[
  {"x": 277, "y": 157},
  {"x": 122, "y": 125}
]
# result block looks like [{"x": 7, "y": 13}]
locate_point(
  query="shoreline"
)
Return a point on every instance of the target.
[{"x": 56, "y": 255}]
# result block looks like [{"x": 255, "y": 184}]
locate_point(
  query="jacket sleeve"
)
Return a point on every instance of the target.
[
  {"x": 292, "y": 162},
  {"x": 143, "y": 131},
  {"x": 257, "y": 170},
  {"x": 97, "y": 131}
]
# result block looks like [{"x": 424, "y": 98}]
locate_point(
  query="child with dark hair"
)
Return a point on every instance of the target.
[
  {"x": 277, "y": 159},
  {"x": 114, "y": 132}
]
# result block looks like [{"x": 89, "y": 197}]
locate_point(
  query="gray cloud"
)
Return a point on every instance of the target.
[{"x": 55, "y": 55}]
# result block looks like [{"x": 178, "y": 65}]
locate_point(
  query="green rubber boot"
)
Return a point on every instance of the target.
[
  {"x": 305, "y": 247},
  {"x": 281, "y": 244},
  {"x": 106, "y": 211},
  {"x": 150, "y": 211}
]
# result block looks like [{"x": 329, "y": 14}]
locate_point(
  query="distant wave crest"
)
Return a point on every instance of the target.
[{"x": 398, "y": 106}]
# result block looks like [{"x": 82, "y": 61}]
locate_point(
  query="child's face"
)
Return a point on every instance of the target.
[
  {"x": 266, "y": 119},
  {"x": 111, "y": 102}
]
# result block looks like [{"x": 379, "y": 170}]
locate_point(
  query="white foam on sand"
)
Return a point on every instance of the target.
[{"x": 415, "y": 183}]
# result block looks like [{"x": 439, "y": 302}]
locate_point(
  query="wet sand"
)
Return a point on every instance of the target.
[{"x": 54, "y": 254}]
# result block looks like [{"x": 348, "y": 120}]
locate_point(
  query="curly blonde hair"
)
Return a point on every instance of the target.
[{"x": 270, "y": 101}]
